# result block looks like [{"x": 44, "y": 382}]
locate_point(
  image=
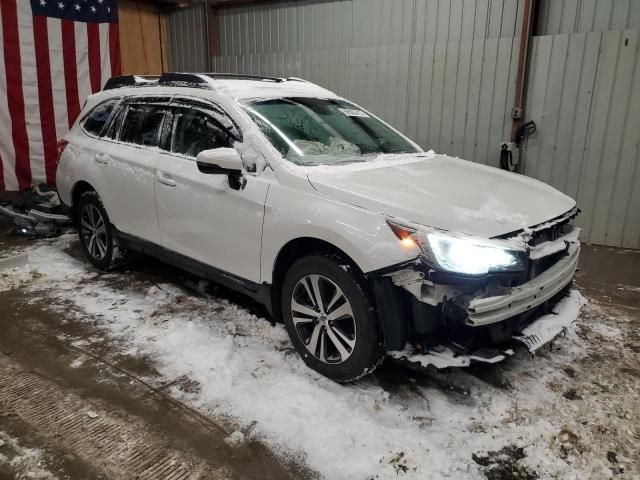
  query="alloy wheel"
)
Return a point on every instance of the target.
[
  {"x": 323, "y": 319},
  {"x": 94, "y": 232}
]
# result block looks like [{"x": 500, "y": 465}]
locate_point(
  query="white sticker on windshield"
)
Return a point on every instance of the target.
[{"x": 353, "y": 113}]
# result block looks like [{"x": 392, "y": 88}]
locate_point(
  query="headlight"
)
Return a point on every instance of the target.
[
  {"x": 470, "y": 257},
  {"x": 459, "y": 254}
]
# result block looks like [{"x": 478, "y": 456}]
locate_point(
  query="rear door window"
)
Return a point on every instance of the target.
[
  {"x": 195, "y": 131},
  {"x": 97, "y": 118},
  {"x": 141, "y": 124}
]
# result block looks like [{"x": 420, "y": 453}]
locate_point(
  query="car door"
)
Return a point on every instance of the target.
[
  {"x": 129, "y": 162},
  {"x": 200, "y": 215}
]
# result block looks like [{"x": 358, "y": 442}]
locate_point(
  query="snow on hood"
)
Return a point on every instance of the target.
[{"x": 442, "y": 192}]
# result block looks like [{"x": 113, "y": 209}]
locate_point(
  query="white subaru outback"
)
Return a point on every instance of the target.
[{"x": 360, "y": 241}]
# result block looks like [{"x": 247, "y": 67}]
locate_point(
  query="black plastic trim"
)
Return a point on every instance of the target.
[
  {"x": 260, "y": 292},
  {"x": 129, "y": 81},
  {"x": 241, "y": 76},
  {"x": 393, "y": 312}
]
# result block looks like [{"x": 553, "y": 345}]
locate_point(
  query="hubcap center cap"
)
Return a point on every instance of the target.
[{"x": 323, "y": 320}]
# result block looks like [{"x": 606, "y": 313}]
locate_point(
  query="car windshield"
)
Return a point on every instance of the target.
[{"x": 315, "y": 131}]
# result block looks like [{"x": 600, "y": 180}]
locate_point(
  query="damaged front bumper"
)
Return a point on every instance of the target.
[
  {"x": 538, "y": 333},
  {"x": 445, "y": 320},
  {"x": 487, "y": 310}
]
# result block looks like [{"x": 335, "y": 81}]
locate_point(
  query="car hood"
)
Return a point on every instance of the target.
[{"x": 442, "y": 192}]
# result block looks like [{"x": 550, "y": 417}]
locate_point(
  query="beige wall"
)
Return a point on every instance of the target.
[{"x": 142, "y": 38}]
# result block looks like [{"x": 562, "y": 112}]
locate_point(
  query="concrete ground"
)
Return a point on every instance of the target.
[{"x": 74, "y": 403}]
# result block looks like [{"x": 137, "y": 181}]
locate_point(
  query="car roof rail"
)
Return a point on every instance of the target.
[
  {"x": 298, "y": 79},
  {"x": 242, "y": 76},
  {"x": 129, "y": 81}
]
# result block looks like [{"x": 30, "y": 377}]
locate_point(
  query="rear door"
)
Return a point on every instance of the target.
[
  {"x": 129, "y": 163},
  {"x": 200, "y": 216}
]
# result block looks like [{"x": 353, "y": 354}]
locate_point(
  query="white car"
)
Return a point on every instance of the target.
[{"x": 360, "y": 241}]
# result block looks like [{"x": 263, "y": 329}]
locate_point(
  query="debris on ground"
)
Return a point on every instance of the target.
[
  {"x": 504, "y": 464},
  {"x": 36, "y": 212}
]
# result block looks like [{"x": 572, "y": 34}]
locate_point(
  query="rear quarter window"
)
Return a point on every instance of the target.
[{"x": 98, "y": 117}]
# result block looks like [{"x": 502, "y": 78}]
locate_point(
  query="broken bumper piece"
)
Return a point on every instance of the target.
[
  {"x": 484, "y": 311},
  {"x": 444, "y": 356},
  {"x": 540, "y": 332},
  {"x": 549, "y": 326}
]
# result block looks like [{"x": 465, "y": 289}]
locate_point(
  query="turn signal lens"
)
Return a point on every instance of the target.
[
  {"x": 408, "y": 242},
  {"x": 404, "y": 234}
]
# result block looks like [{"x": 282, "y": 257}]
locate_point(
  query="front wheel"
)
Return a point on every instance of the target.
[{"x": 330, "y": 318}]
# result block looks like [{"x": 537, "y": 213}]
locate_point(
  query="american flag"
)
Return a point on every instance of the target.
[{"x": 53, "y": 54}]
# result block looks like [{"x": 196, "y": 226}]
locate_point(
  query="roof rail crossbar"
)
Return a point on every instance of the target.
[
  {"x": 128, "y": 81},
  {"x": 242, "y": 76},
  {"x": 182, "y": 78}
]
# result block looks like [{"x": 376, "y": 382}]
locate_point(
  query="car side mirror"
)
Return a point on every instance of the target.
[{"x": 222, "y": 161}]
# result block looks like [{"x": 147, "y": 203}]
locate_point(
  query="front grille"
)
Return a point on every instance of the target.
[
  {"x": 536, "y": 267},
  {"x": 550, "y": 234}
]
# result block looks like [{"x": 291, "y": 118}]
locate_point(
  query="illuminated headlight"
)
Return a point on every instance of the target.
[
  {"x": 472, "y": 258},
  {"x": 459, "y": 254}
]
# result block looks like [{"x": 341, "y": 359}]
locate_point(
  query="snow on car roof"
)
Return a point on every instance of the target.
[
  {"x": 244, "y": 89},
  {"x": 237, "y": 88}
]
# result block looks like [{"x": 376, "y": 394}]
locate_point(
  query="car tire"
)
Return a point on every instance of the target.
[
  {"x": 341, "y": 338},
  {"x": 97, "y": 234}
]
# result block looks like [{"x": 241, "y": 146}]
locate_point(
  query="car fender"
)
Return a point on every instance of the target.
[{"x": 293, "y": 213}]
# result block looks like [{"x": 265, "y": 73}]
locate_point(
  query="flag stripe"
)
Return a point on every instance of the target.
[
  {"x": 6, "y": 139},
  {"x": 114, "y": 49},
  {"x": 105, "y": 58},
  {"x": 45, "y": 96},
  {"x": 2, "y": 187},
  {"x": 53, "y": 55},
  {"x": 93, "y": 36},
  {"x": 70, "y": 70},
  {"x": 54, "y": 27},
  {"x": 82, "y": 62},
  {"x": 15, "y": 98},
  {"x": 30, "y": 91}
]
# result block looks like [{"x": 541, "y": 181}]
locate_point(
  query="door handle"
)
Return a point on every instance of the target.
[
  {"x": 102, "y": 158},
  {"x": 166, "y": 179}
]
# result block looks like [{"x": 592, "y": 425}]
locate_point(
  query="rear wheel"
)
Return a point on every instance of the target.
[
  {"x": 96, "y": 233},
  {"x": 330, "y": 319}
]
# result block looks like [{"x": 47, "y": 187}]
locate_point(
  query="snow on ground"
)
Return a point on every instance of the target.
[
  {"x": 520, "y": 416},
  {"x": 22, "y": 462}
]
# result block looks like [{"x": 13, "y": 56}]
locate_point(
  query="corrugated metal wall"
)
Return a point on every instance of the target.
[
  {"x": 577, "y": 16},
  {"x": 585, "y": 98},
  {"x": 188, "y": 40},
  {"x": 443, "y": 71}
]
